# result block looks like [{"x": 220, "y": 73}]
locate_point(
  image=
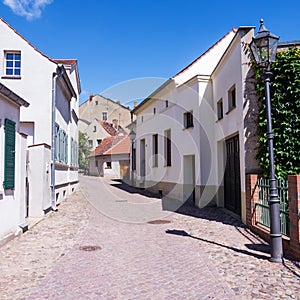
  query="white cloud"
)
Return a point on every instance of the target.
[{"x": 31, "y": 9}]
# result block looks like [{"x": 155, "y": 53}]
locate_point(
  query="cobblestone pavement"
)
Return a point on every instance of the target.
[{"x": 84, "y": 251}]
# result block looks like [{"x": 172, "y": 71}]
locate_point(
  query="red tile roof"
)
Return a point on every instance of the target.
[
  {"x": 66, "y": 61},
  {"x": 110, "y": 129},
  {"x": 122, "y": 147},
  {"x": 106, "y": 144}
]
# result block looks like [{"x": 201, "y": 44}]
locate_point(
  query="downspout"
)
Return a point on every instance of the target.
[{"x": 56, "y": 75}]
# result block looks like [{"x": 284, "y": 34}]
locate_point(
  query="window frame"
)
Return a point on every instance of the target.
[
  {"x": 14, "y": 68},
  {"x": 231, "y": 98},
  {"x": 220, "y": 109},
  {"x": 167, "y": 148},
  {"x": 104, "y": 116},
  {"x": 155, "y": 150},
  {"x": 188, "y": 119}
]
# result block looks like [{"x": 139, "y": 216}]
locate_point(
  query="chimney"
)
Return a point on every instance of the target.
[
  {"x": 91, "y": 96},
  {"x": 135, "y": 104}
]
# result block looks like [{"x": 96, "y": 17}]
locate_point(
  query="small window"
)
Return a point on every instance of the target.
[
  {"x": 96, "y": 102},
  {"x": 167, "y": 147},
  {"x": 95, "y": 129},
  {"x": 104, "y": 116},
  {"x": 108, "y": 165},
  {"x": 154, "y": 110},
  {"x": 155, "y": 150},
  {"x": 90, "y": 143},
  {"x": 13, "y": 64},
  {"x": 142, "y": 118},
  {"x": 99, "y": 141},
  {"x": 232, "y": 98},
  {"x": 96, "y": 163},
  {"x": 188, "y": 119},
  {"x": 220, "y": 109},
  {"x": 167, "y": 103}
]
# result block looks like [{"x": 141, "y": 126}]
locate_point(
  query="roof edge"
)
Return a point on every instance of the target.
[{"x": 12, "y": 96}]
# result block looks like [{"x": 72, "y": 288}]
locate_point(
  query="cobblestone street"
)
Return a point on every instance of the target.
[{"x": 101, "y": 244}]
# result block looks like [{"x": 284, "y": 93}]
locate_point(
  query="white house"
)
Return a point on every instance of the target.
[
  {"x": 111, "y": 158},
  {"x": 51, "y": 86},
  {"x": 184, "y": 128},
  {"x": 12, "y": 164}
]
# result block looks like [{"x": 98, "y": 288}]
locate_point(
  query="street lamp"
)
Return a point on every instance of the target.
[
  {"x": 263, "y": 48},
  {"x": 132, "y": 136}
]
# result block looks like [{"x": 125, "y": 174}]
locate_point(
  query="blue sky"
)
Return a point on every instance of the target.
[{"x": 125, "y": 48}]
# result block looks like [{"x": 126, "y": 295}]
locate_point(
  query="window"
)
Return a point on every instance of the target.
[
  {"x": 104, "y": 116},
  {"x": 95, "y": 129},
  {"x": 167, "y": 103},
  {"x": 96, "y": 102},
  {"x": 99, "y": 141},
  {"x": 9, "y": 154},
  {"x": 220, "y": 109},
  {"x": 90, "y": 143},
  {"x": 155, "y": 150},
  {"x": 231, "y": 98},
  {"x": 167, "y": 147},
  {"x": 13, "y": 63},
  {"x": 142, "y": 118},
  {"x": 108, "y": 165},
  {"x": 188, "y": 119},
  {"x": 74, "y": 152},
  {"x": 154, "y": 110},
  {"x": 96, "y": 163},
  {"x": 61, "y": 145}
]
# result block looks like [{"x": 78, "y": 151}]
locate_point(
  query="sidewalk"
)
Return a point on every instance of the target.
[{"x": 79, "y": 253}]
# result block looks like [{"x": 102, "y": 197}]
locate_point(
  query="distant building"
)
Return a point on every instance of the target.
[
  {"x": 103, "y": 109},
  {"x": 111, "y": 158}
]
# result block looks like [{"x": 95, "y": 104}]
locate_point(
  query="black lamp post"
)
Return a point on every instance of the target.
[
  {"x": 132, "y": 136},
  {"x": 263, "y": 48}
]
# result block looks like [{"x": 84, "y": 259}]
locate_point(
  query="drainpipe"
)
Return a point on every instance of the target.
[{"x": 56, "y": 75}]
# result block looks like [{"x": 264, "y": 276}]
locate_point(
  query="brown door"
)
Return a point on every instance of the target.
[{"x": 232, "y": 178}]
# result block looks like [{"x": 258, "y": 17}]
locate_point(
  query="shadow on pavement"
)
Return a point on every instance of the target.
[
  {"x": 184, "y": 233},
  {"x": 118, "y": 183}
]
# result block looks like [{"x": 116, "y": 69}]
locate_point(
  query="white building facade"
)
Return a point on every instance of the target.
[
  {"x": 12, "y": 165},
  {"x": 185, "y": 129},
  {"x": 52, "y": 88}
]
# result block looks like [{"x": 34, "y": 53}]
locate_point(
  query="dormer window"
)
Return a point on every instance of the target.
[{"x": 13, "y": 64}]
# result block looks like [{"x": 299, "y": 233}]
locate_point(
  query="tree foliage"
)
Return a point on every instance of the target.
[
  {"x": 83, "y": 151},
  {"x": 285, "y": 107}
]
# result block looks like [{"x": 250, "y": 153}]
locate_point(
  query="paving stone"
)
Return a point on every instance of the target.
[{"x": 202, "y": 254}]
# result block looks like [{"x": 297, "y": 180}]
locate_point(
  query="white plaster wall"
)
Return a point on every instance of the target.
[
  {"x": 39, "y": 176},
  {"x": 184, "y": 141},
  {"x": 35, "y": 84},
  {"x": 206, "y": 64},
  {"x": 231, "y": 72},
  {"x": 11, "y": 201}
]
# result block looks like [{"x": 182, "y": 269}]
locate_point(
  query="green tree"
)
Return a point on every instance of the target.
[
  {"x": 285, "y": 103},
  {"x": 83, "y": 151}
]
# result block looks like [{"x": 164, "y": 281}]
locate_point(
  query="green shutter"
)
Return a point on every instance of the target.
[{"x": 9, "y": 154}]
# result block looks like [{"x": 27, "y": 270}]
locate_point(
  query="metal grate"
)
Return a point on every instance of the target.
[
  {"x": 262, "y": 205},
  {"x": 89, "y": 248}
]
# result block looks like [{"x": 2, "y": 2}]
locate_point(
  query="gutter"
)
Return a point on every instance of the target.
[{"x": 59, "y": 72}]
